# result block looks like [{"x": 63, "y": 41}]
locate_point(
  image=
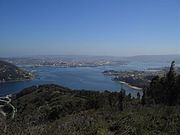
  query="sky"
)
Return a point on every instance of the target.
[{"x": 89, "y": 27}]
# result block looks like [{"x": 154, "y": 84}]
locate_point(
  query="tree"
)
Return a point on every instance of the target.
[
  {"x": 120, "y": 100},
  {"x": 143, "y": 100},
  {"x": 170, "y": 85},
  {"x": 129, "y": 96},
  {"x": 166, "y": 89},
  {"x": 155, "y": 90},
  {"x": 138, "y": 96},
  {"x": 178, "y": 89},
  {"x": 110, "y": 100}
]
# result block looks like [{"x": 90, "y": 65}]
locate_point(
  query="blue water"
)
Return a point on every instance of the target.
[{"x": 88, "y": 78}]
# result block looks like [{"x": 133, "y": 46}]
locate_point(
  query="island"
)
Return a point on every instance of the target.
[{"x": 11, "y": 73}]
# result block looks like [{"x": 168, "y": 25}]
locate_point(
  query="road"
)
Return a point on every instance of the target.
[{"x": 7, "y": 101}]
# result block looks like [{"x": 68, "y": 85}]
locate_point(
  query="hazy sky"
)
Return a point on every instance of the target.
[{"x": 89, "y": 27}]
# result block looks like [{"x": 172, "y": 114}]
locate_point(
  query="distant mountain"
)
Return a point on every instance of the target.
[
  {"x": 81, "y": 60},
  {"x": 10, "y": 72},
  {"x": 156, "y": 58}
]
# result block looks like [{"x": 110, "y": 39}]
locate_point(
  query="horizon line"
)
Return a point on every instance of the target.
[{"x": 81, "y": 55}]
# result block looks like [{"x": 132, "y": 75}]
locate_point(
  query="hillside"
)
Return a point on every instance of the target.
[
  {"x": 155, "y": 58},
  {"x": 55, "y": 110},
  {"x": 10, "y": 72}
]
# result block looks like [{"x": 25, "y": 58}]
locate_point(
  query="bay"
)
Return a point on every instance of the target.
[{"x": 87, "y": 78}]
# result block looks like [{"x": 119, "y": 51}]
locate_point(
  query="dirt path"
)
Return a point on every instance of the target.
[{"x": 7, "y": 101}]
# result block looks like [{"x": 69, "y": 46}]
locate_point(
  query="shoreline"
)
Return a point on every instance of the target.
[
  {"x": 129, "y": 85},
  {"x": 14, "y": 81}
]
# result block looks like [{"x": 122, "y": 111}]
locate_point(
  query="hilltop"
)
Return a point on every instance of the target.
[
  {"x": 55, "y": 110},
  {"x": 9, "y": 73}
]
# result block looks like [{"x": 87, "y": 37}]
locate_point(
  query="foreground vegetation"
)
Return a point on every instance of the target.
[
  {"x": 164, "y": 90},
  {"x": 55, "y": 110}
]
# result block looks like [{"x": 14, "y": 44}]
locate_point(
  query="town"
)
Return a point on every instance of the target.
[
  {"x": 65, "y": 61},
  {"x": 138, "y": 78}
]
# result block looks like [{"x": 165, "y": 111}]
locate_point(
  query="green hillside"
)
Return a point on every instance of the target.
[
  {"x": 10, "y": 72},
  {"x": 55, "y": 110}
]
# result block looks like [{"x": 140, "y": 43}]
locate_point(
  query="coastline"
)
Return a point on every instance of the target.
[
  {"x": 129, "y": 85},
  {"x": 14, "y": 81}
]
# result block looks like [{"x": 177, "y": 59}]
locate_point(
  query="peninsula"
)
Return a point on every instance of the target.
[{"x": 11, "y": 73}]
